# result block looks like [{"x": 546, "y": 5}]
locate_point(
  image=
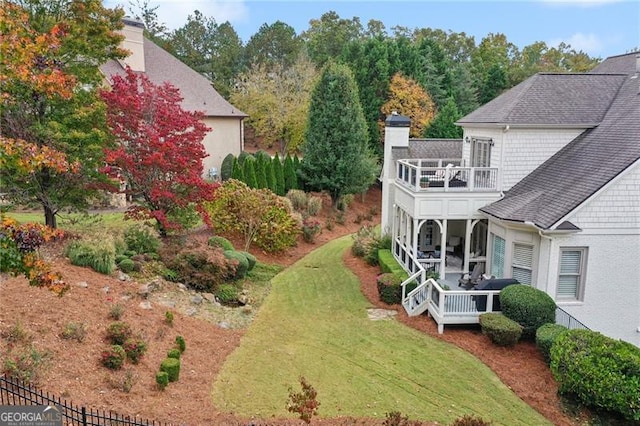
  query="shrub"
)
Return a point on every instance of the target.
[
  {"x": 260, "y": 216},
  {"x": 116, "y": 311},
  {"x": 135, "y": 349},
  {"x": 222, "y": 242},
  {"x": 366, "y": 243},
  {"x": 28, "y": 365},
  {"x": 389, "y": 288},
  {"x": 395, "y": 418},
  {"x": 470, "y": 420},
  {"x": 546, "y": 335},
  {"x": 227, "y": 167},
  {"x": 305, "y": 403},
  {"x": 118, "y": 332},
  {"x": 171, "y": 366},
  {"x": 310, "y": 229},
  {"x": 120, "y": 257},
  {"x": 141, "y": 239},
  {"x": 202, "y": 270},
  {"x": 126, "y": 265},
  {"x": 162, "y": 379},
  {"x": 97, "y": 255},
  {"x": 501, "y": 330},
  {"x": 168, "y": 318},
  {"x": 113, "y": 357},
  {"x": 74, "y": 331},
  {"x": 314, "y": 205},
  {"x": 250, "y": 258},
  {"x": 227, "y": 294},
  {"x": 298, "y": 199},
  {"x": 180, "y": 343},
  {"x": 599, "y": 371},
  {"x": 389, "y": 264},
  {"x": 242, "y": 266},
  {"x": 527, "y": 306},
  {"x": 174, "y": 353}
]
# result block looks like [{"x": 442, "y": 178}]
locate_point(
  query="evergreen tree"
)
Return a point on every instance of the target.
[
  {"x": 261, "y": 177},
  {"x": 249, "y": 170},
  {"x": 226, "y": 169},
  {"x": 279, "y": 174},
  {"x": 290, "y": 177},
  {"x": 336, "y": 156},
  {"x": 270, "y": 174},
  {"x": 237, "y": 171},
  {"x": 443, "y": 125}
]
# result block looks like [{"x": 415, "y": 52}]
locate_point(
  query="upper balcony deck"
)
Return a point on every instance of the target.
[{"x": 445, "y": 175}]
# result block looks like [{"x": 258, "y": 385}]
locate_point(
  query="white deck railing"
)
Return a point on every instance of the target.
[
  {"x": 445, "y": 175},
  {"x": 445, "y": 306}
]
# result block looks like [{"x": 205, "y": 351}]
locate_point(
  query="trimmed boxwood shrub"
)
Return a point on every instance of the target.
[
  {"x": 529, "y": 307},
  {"x": 181, "y": 344},
  {"x": 243, "y": 262},
  {"x": 126, "y": 265},
  {"x": 389, "y": 288},
  {"x": 174, "y": 353},
  {"x": 546, "y": 335},
  {"x": 501, "y": 330},
  {"x": 599, "y": 371},
  {"x": 222, "y": 242},
  {"x": 171, "y": 366},
  {"x": 250, "y": 258},
  {"x": 162, "y": 379}
]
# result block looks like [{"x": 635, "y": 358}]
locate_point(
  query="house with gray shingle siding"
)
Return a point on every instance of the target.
[
  {"x": 226, "y": 121},
  {"x": 543, "y": 188}
]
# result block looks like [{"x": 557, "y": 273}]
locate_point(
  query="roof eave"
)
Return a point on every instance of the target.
[{"x": 501, "y": 125}]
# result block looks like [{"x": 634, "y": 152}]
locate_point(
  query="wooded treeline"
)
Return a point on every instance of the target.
[{"x": 431, "y": 75}]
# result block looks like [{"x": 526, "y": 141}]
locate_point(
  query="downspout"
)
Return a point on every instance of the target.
[
  {"x": 501, "y": 168},
  {"x": 548, "y": 279}
]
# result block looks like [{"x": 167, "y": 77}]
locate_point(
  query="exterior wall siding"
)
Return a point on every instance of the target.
[
  {"x": 224, "y": 138},
  {"x": 525, "y": 149},
  {"x": 617, "y": 207}
]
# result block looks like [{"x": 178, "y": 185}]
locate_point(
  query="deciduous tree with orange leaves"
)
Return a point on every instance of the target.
[{"x": 408, "y": 98}]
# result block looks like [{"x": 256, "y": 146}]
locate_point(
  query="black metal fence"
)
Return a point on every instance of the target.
[
  {"x": 15, "y": 392},
  {"x": 564, "y": 318}
]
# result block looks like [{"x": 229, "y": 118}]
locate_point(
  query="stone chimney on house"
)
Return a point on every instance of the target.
[
  {"x": 396, "y": 135},
  {"x": 134, "y": 43}
]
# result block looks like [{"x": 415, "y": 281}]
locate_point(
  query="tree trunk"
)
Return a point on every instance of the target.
[{"x": 50, "y": 217}]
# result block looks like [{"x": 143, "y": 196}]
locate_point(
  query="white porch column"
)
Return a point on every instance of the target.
[
  {"x": 467, "y": 244},
  {"x": 443, "y": 249},
  {"x": 414, "y": 244}
]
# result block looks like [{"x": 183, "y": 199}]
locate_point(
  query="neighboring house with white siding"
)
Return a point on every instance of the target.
[
  {"x": 226, "y": 121},
  {"x": 544, "y": 187}
]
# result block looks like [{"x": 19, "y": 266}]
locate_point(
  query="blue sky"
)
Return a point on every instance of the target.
[{"x": 601, "y": 28}]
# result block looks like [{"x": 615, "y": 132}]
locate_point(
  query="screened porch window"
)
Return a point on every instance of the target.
[
  {"x": 522, "y": 263},
  {"x": 573, "y": 263},
  {"x": 497, "y": 256}
]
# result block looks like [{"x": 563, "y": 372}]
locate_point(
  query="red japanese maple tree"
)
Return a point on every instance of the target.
[{"x": 159, "y": 149}]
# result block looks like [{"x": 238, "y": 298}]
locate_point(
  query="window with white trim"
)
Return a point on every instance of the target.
[
  {"x": 571, "y": 273},
  {"x": 497, "y": 256},
  {"x": 522, "y": 263}
]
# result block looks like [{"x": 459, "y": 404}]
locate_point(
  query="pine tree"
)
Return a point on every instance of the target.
[
  {"x": 336, "y": 156},
  {"x": 443, "y": 125},
  {"x": 250, "y": 173}
]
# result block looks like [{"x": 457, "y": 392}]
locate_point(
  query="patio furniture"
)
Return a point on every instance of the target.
[
  {"x": 491, "y": 284},
  {"x": 469, "y": 280}
]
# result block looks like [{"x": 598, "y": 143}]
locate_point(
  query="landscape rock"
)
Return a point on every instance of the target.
[
  {"x": 197, "y": 299},
  {"x": 106, "y": 289},
  {"x": 191, "y": 312},
  {"x": 82, "y": 284},
  {"x": 145, "y": 305},
  {"x": 224, "y": 324},
  {"x": 123, "y": 277},
  {"x": 210, "y": 297},
  {"x": 243, "y": 299}
]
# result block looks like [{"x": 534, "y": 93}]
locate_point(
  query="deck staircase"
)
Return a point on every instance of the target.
[{"x": 417, "y": 300}]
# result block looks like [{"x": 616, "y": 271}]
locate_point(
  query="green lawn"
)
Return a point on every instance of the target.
[{"x": 314, "y": 324}]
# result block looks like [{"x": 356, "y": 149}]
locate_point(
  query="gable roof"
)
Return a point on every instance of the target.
[
  {"x": 429, "y": 148},
  {"x": 550, "y": 99},
  {"x": 196, "y": 90},
  {"x": 583, "y": 166}
]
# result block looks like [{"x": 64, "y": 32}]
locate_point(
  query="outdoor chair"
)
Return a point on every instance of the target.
[{"x": 469, "y": 280}]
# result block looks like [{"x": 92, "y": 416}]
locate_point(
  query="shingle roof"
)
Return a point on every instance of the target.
[
  {"x": 197, "y": 92},
  {"x": 429, "y": 148},
  {"x": 583, "y": 166},
  {"x": 572, "y": 100}
]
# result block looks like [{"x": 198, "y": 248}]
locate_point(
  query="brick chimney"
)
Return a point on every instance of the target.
[
  {"x": 134, "y": 43},
  {"x": 396, "y": 135}
]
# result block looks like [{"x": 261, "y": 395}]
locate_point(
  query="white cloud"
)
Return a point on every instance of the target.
[{"x": 589, "y": 43}]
